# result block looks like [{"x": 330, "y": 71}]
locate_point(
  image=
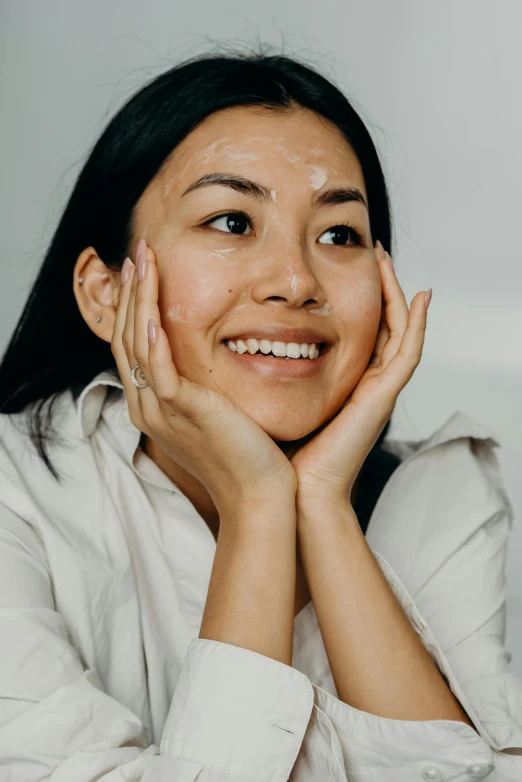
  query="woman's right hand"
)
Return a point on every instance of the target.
[{"x": 200, "y": 429}]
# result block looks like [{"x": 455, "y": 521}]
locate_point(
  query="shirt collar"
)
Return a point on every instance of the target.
[
  {"x": 457, "y": 426},
  {"x": 92, "y": 399}
]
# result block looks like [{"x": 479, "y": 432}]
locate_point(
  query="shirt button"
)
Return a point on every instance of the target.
[
  {"x": 478, "y": 770},
  {"x": 433, "y": 774}
]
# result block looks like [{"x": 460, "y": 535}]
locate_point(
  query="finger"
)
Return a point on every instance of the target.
[
  {"x": 117, "y": 346},
  {"x": 396, "y": 309},
  {"x": 145, "y": 309},
  {"x": 135, "y": 396},
  {"x": 127, "y": 336},
  {"x": 383, "y": 336},
  {"x": 408, "y": 356},
  {"x": 155, "y": 359}
]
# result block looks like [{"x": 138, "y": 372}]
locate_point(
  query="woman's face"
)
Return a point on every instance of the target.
[{"x": 277, "y": 268}]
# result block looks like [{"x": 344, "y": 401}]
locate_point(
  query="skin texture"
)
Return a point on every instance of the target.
[{"x": 283, "y": 269}]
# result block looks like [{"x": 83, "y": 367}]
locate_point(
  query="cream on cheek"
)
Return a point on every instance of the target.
[{"x": 200, "y": 287}]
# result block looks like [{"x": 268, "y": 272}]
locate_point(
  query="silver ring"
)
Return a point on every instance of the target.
[{"x": 133, "y": 377}]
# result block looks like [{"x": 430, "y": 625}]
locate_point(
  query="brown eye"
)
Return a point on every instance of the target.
[
  {"x": 341, "y": 234},
  {"x": 231, "y": 222}
]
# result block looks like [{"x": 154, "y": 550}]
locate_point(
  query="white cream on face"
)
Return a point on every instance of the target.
[
  {"x": 318, "y": 177},
  {"x": 290, "y": 156},
  {"x": 207, "y": 154},
  {"x": 293, "y": 280},
  {"x": 179, "y": 314},
  {"x": 296, "y": 155},
  {"x": 222, "y": 255},
  {"x": 324, "y": 310},
  {"x": 268, "y": 259}
]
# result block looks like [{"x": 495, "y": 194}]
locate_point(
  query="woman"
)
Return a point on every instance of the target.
[{"x": 191, "y": 587}]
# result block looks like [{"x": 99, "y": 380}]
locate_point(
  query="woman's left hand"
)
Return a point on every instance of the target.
[{"x": 328, "y": 465}]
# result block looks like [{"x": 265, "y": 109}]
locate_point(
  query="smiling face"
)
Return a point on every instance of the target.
[{"x": 276, "y": 259}]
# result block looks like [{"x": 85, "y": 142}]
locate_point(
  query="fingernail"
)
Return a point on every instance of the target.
[
  {"x": 388, "y": 258},
  {"x": 141, "y": 260},
  {"x": 152, "y": 332},
  {"x": 379, "y": 250},
  {"x": 427, "y": 298},
  {"x": 125, "y": 270}
]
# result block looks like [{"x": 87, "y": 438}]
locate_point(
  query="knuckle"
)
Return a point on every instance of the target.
[{"x": 167, "y": 397}]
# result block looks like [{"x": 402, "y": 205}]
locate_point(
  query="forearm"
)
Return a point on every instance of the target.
[
  {"x": 378, "y": 662},
  {"x": 251, "y": 594}
]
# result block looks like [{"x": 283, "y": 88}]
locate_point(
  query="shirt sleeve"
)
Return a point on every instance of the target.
[
  {"x": 235, "y": 714},
  {"x": 457, "y": 606}
]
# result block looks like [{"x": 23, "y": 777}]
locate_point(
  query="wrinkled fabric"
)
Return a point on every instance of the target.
[{"x": 103, "y": 583}]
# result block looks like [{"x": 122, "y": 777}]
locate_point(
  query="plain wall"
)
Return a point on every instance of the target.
[{"x": 438, "y": 83}]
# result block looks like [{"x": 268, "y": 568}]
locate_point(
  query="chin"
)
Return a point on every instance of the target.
[
  {"x": 284, "y": 421},
  {"x": 287, "y": 428}
]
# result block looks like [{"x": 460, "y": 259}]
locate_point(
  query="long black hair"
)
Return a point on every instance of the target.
[{"x": 52, "y": 348}]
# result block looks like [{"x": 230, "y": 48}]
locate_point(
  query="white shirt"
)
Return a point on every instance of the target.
[{"x": 103, "y": 583}]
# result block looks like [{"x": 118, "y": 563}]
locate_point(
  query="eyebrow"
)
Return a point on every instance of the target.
[{"x": 338, "y": 195}]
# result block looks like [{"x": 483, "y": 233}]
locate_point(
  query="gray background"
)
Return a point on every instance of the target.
[{"x": 438, "y": 84}]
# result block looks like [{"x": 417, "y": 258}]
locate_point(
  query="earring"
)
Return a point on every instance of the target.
[
  {"x": 98, "y": 319},
  {"x": 80, "y": 280}
]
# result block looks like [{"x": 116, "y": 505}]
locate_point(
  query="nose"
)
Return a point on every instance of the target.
[{"x": 285, "y": 277}]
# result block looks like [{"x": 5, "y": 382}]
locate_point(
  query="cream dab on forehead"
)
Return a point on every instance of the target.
[
  {"x": 236, "y": 152},
  {"x": 233, "y": 151},
  {"x": 318, "y": 177}
]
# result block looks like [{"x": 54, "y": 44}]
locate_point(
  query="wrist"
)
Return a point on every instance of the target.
[
  {"x": 319, "y": 506},
  {"x": 251, "y": 511},
  {"x": 322, "y": 497}
]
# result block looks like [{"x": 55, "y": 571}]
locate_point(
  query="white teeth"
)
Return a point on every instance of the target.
[
  {"x": 293, "y": 350},
  {"x": 252, "y": 346},
  {"x": 279, "y": 349}
]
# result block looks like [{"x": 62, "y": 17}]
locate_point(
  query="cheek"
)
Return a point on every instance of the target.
[
  {"x": 359, "y": 304},
  {"x": 196, "y": 286},
  {"x": 357, "y": 309}
]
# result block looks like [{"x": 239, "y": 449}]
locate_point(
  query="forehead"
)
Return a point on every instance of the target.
[{"x": 263, "y": 139}]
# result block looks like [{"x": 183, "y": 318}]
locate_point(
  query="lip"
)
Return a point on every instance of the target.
[
  {"x": 266, "y": 366},
  {"x": 277, "y": 333}
]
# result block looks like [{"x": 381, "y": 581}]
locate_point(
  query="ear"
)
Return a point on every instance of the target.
[{"x": 96, "y": 289}]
